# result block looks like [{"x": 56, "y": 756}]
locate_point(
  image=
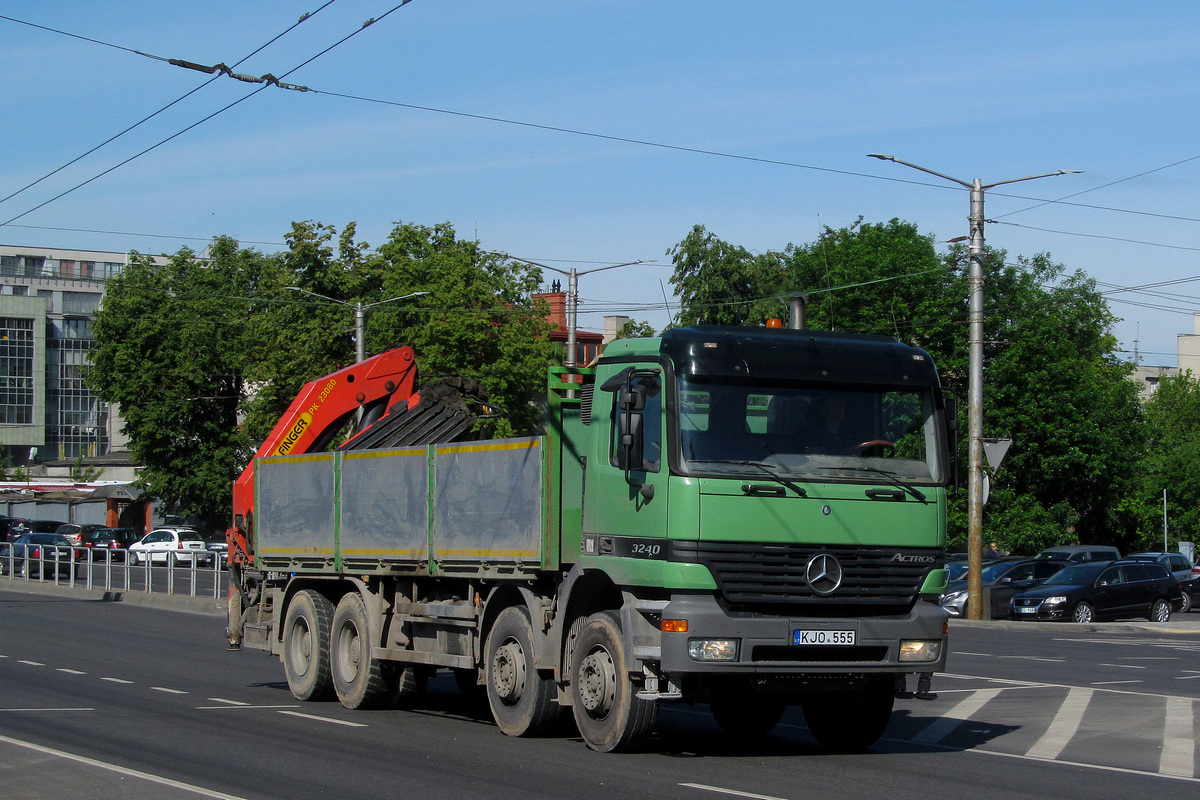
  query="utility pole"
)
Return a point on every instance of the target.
[
  {"x": 975, "y": 389},
  {"x": 360, "y": 317},
  {"x": 572, "y": 299}
]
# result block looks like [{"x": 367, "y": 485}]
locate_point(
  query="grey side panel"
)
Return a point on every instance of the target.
[
  {"x": 488, "y": 502},
  {"x": 385, "y": 507},
  {"x": 295, "y": 502}
]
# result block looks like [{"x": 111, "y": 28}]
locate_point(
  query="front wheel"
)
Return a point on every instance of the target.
[
  {"x": 609, "y": 714},
  {"x": 306, "y": 629},
  {"x": 523, "y": 702},
  {"x": 1083, "y": 612},
  {"x": 1160, "y": 611},
  {"x": 849, "y": 721}
]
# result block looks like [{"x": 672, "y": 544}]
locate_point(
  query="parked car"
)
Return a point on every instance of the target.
[
  {"x": 171, "y": 546},
  {"x": 101, "y": 541},
  {"x": 11, "y": 526},
  {"x": 1077, "y": 553},
  {"x": 51, "y": 550},
  {"x": 218, "y": 545},
  {"x": 75, "y": 533},
  {"x": 1003, "y": 580},
  {"x": 1106, "y": 590},
  {"x": 1178, "y": 565}
]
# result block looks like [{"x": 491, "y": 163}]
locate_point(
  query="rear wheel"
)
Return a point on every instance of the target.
[
  {"x": 523, "y": 702},
  {"x": 359, "y": 680},
  {"x": 609, "y": 714},
  {"x": 1187, "y": 603},
  {"x": 848, "y": 721},
  {"x": 1160, "y": 611},
  {"x": 1083, "y": 612},
  {"x": 306, "y": 629}
]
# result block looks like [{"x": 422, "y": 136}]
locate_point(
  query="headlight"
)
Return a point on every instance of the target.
[
  {"x": 1056, "y": 600},
  {"x": 713, "y": 649},
  {"x": 952, "y": 597},
  {"x": 920, "y": 650}
]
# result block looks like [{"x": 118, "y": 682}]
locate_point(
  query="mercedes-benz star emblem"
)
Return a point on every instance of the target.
[{"x": 824, "y": 574}]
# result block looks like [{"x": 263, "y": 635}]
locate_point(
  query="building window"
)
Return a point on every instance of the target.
[
  {"x": 20, "y": 291},
  {"x": 16, "y": 371},
  {"x": 80, "y": 302}
]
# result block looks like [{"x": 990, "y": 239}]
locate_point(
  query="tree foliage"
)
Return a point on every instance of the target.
[
  {"x": 1052, "y": 383},
  {"x": 1172, "y": 463},
  {"x": 204, "y": 354}
]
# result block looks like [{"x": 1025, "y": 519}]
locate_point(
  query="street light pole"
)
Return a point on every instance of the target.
[
  {"x": 572, "y": 298},
  {"x": 360, "y": 317},
  {"x": 975, "y": 387}
]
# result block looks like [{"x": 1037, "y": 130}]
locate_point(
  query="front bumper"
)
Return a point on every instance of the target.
[{"x": 765, "y": 644}]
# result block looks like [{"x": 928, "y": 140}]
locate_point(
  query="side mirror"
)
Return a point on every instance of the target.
[{"x": 631, "y": 441}]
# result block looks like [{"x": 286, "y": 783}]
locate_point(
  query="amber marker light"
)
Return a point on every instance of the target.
[{"x": 674, "y": 626}]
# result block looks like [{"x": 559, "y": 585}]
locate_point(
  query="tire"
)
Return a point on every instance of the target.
[
  {"x": 1187, "y": 603},
  {"x": 850, "y": 721},
  {"x": 306, "y": 629},
  {"x": 358, "y": 679},
  {"x": 609, "y": 714},
  {"x": 746, "y": 715},
  {"x": 1160, "y": 611},
  {"x": 523, "y": 701},
  {"x": 1084, "y": 612}
]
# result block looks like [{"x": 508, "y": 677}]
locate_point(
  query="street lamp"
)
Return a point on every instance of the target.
[
  {"x": 360, "y": 310},
  {"x": 572, "y": 297},
  {"x": 975, "y": 390}
]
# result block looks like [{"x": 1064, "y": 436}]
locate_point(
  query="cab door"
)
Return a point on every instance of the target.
[{"x": 625, "y": 499}]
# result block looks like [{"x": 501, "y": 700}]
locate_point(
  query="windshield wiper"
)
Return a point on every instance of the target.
[
  {"x": 772, "y": 474},
  {"x": 890, "y": 477}
]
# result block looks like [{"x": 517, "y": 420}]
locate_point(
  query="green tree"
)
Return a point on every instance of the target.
[
  {"x": 722, "y": 284},
  {"x": 1172, "y": 462},
  {"x": 169, "y": 351},
  {"x": 635, "y": 329}
]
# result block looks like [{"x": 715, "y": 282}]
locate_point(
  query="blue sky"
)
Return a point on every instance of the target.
[{"x": 986, "y": 89}]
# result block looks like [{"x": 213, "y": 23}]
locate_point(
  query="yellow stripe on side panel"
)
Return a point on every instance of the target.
[
  {"x": 382, "y": 454},
  {"x": 483, "y": 448}
]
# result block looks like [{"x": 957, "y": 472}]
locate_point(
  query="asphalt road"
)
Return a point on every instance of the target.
[{"x": 103, "y": 699}]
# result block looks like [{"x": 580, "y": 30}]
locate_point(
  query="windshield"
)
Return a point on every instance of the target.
[
  {"x": 815, "y": 433},
  {"x": 1077, "y": 575}
]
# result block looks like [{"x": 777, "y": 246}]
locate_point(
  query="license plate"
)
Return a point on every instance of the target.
[
  {"x": 823, "y": 637},
  {"x": 1025, "y": 609}
]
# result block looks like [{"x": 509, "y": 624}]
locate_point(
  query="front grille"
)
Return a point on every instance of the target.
[
  {"x": 818, "y": 654},
  {"x": 876, "y": 580}
]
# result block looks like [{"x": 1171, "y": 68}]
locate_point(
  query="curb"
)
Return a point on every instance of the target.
[
  {"x": 1126, "y": 626},
  {"x": 169, "y": 602}
]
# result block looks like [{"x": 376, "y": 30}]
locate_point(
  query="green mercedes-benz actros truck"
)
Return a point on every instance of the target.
[{"x": 751, "y": 518}]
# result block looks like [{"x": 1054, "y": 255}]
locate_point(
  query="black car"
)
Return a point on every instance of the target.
[
  {"x": 20, "y": 527},
  {"x": 1002, "y": 580},
  {"x": 101, "y": 542},
  {"x": 1105, "y": 590}
]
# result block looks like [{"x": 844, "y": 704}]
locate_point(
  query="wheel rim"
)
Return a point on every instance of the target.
[
  {"x": 1161, "y": 612},
  {"x": 300, "y": 656},
  {"x": 598, "y": 682},
  {"x": 1083, "y": 614},
  {"x": 349, "y": 652},
  {"x": 508, "y": 672}
]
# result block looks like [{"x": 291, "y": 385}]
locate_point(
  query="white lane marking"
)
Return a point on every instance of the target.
[
  {"x": 1110, "y": 683},
  {"x": 31, "y": 663},
  {"x": 230, "y": 702},
  {"x": 1036, "y": 658},
  {"x": 1064, "y": 726},
  {"x": 981, "y": 655},
  {"x": 240, "y": 706},
  {"x": 1123, "y": 666},
  {"x": 733, "y": 792},
  {"x": 939, "y": 729},
  {"x": 1186, "y": 677},
  {"x": 1179, "y": 744},
  {"x": 325, "y": 719},
  {"x": 71, "y": 671},
  {"x": 168, "y": 691},
  {"x": 47, "y": 709},
  {"x": 146, "y": 776},
  {"x": 116, "y": 680}
]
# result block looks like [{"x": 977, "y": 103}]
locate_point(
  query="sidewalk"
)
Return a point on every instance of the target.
[{"x": 172, "y": 602}]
